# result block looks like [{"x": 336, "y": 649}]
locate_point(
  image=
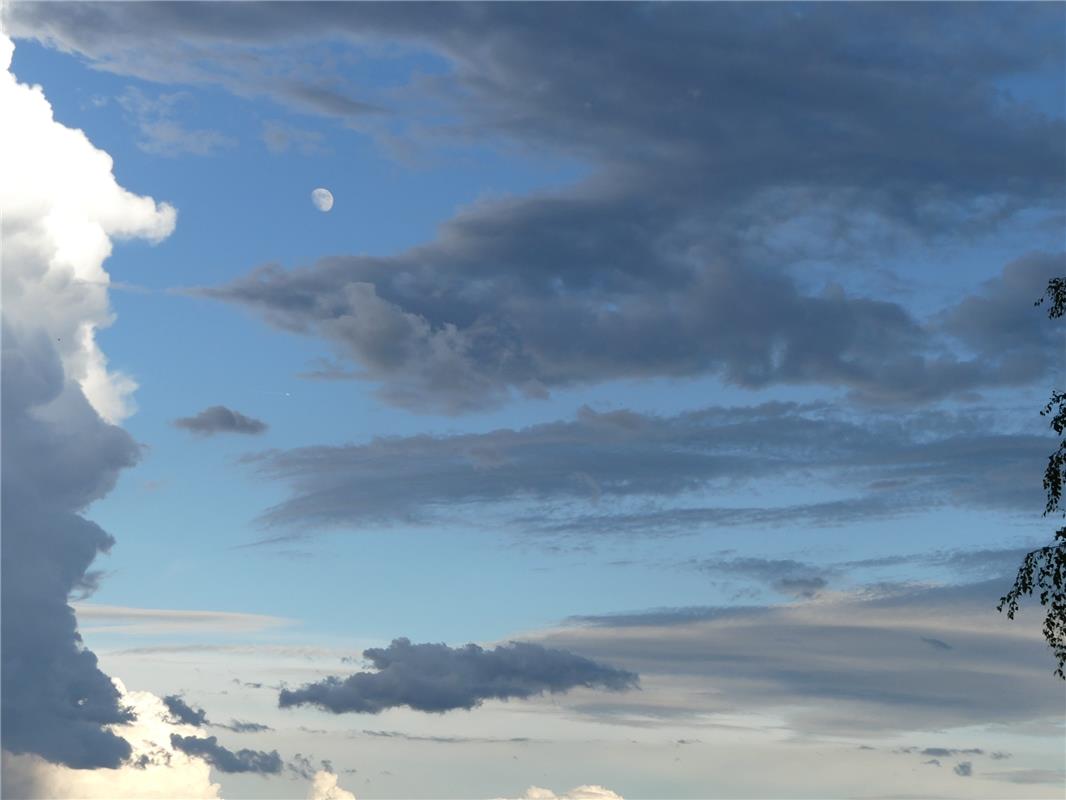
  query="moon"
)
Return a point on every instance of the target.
[{"x": 323, "y": 199}]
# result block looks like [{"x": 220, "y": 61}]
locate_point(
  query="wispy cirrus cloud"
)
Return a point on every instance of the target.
[{"x": 663, "y": 474}]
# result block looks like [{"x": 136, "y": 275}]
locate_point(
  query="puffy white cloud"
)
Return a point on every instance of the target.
[
  {"x": 156, "y": 770},
  {"x": 62, "y": 208},
  {"x": 324, "y": 787}
]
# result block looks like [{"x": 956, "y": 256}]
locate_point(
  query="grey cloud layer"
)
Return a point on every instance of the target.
[
  {"x": 56, "y": 701},
  {"x": 219, "y": 419},
  {"x": 438, "y": 678},
  {"x": 845, "y": 665},
  {"x": 550, "y": 478},
  {"x": 672, "y": 258},
  {"x": 225, "y": 760}
]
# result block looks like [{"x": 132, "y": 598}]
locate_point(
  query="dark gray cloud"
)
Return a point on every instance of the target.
[
  {"x": 964, "y": 769},
  {"x": 240, "y": 726},
  {"x": 306, "y": 766},
  {"x": 56, "y": 700},
  {"x": 848, "y": 664},
  {"x": 225, "y": 760},
  {"x": 552, "y": 478},
  {"x": 677, "y": 255},
  {"x": 437, "y": 678},
  {"x": 943, "y": 752},
  {"x": 219, "y": 419},
  {"x": 183, "y": 713}
]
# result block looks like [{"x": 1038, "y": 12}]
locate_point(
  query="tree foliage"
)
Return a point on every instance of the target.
[{"x": 1044, "y": 570}]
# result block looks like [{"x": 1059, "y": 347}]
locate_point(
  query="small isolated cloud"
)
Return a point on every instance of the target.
[
  {"x": 184, "y": 713},
  {"x": 324, "y": 787},
  {"x": 437, "y": 678},
  {"x": 944, "y": 752},
  {"x": 225, "y": 760},
  {"x": 964, "y": 769},
  {"x": 239, "y": 726},
  {"x": 219, "y": 419}
]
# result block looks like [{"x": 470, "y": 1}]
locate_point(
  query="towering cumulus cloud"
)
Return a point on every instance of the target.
[{"x": 61, "y": 447}]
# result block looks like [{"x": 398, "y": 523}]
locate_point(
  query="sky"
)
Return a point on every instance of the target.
[{"x": 653, "y": 414}]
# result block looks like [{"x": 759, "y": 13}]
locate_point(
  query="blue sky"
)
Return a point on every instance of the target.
[{"x": 646, "y": 348}]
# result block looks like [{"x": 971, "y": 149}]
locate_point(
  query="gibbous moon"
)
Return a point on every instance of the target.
[{"x": 323, "y": 199}]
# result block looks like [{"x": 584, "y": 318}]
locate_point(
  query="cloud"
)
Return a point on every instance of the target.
[
  {"x": 239, "y": 726},
  {"x": 154, "y": 769},
  {"x": 936, "y": 643},
  {"x": 161, "y": 134},
  {"x": 324, "y": 787},
  {"x": 686, "y": 468},
  {"x": 219, "y": 419},
  {"x": 844, "y": 664},
  {"x": 133, "y": 621},
  {"x": 677, "y": 254},
  {"x": 586, "y": 792},
  {"x": 785, "y": 576},
  {"x": 184, "y": 713},
  {"x": 964, "y": 769},
  {"x": 437, "y": 678},
  {"x": 60, "y": 450},
  {"x": 225, "y": 760},
  {"x": 197, "y": 717},
  {"x": 407, "y": 737},
  {"x": 1054, "y": 777},
  {"x": 943, "y": 752},
  {"x": 280, "y": 137}
]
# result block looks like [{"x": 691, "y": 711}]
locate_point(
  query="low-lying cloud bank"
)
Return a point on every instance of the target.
[
  {"x": 437, "y": 678},
  {"x": 856, "y": 664}
]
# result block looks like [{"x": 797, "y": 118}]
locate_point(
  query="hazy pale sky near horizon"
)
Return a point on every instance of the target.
[{"x": 653, "y": 413}]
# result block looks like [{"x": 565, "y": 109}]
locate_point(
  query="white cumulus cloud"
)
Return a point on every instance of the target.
[
  {"x": 62, "y": 208},
  {"x": 324, "y": 787}
]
